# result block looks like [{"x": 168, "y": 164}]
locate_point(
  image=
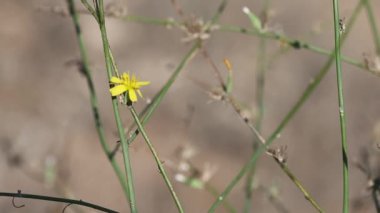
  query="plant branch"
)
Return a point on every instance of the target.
[
  {"x": 338, "y": 29},
  {"x": 276, "y": 157},
  {"x": 311, "y": 87},
  {"x": 56, "y": 199},
  {"x": 156, "y": 158}
]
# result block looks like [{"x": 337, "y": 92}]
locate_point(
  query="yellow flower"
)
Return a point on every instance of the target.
[{"x": 126, "y": 83}]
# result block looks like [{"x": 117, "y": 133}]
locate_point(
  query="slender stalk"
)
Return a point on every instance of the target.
[
  {"x": 297, "y": 44},
  {"x": 56, "y": 199},
  {"x": 99, "y": 9},
  {"x": 282, "y": 165},
  {"x": 212, "y": 190},
  {"x": 299, "y": 185},
  {"x": 342, "y": 114},
  {"x": 311, "y": 87},
  {"x": 260, "y": 84},
  {"x": 93, "y": 97},
  {"x": 90, "y": 9},
  {"x": 156, "y": 158},
  {"x": 372, "y": 22}
]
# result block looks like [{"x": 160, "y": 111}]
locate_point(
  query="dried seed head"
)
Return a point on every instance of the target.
[
  {"x": 342, "y": 25},
  {"x": 372, "y": 63},
  {"x": 279, "y": 153},
  {"x": 115, "y": 9},
  {"x": 194, "y": 29}
]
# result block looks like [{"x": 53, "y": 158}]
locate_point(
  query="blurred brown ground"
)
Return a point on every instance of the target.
[{"x": 46, "y": 116}]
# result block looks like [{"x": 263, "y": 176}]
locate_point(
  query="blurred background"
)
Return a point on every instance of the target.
[{"x": 49, "y": 146}]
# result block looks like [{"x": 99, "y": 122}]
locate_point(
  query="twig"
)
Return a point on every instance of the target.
[
  {"x": 214, "y": 67},
  {"x": 56, "y": 199}
]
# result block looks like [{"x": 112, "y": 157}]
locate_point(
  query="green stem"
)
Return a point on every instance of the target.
[
  {"x": 284, "y": 168},
  {"x": 212, "y": 190},
  {"x": 372, "y": 22},
  {"x": 93, "y": 97},
  {"x": 313, "y": 84},
  {"x": 260, "y": 85},
  {"x": 108, "y": 59},
  {"x": 90, "y": 9},
  {"x": 156, "y": 158},
  {"x": 299, "y": 185},
  {"x": 297, "y": 44},
  {"x": 55, "y": 199},
  {"x": 342, "y": 115}
]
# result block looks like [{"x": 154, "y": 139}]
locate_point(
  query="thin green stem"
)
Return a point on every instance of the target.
[
  {"x": 299, "y": 185},
  {"x": 260, "y": 85},
  {"x": 212, "y": 190},
  {"x": 282, "y": 165},
  {"x": 56, "y": 199},
  {"x": 296, "y": 44},
  {"x": 156, "y": 158},
  {"x": 311, "y": 87},
  {"x": 93, "y": 96},
  {"x": 109, "y": 65},
  {"x": 216, "y": 16},
  {"x": 342, "y": 114},
  {"x": 372, "y": 22},
  {"x": 90, "y": 9}
]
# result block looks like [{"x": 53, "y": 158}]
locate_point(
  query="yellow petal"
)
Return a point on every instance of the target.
[
  {"x": 132, "y": 95},
  {"x": 116, "y": 80},
  {"x": 142, "y": 83},
  {"x": 117, "y": 90},
  {"x": 139, "y": 92},
  {"x": 125, "y": 75}
]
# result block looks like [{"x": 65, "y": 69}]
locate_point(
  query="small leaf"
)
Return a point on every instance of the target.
[{"x": 255, "y": 21}]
